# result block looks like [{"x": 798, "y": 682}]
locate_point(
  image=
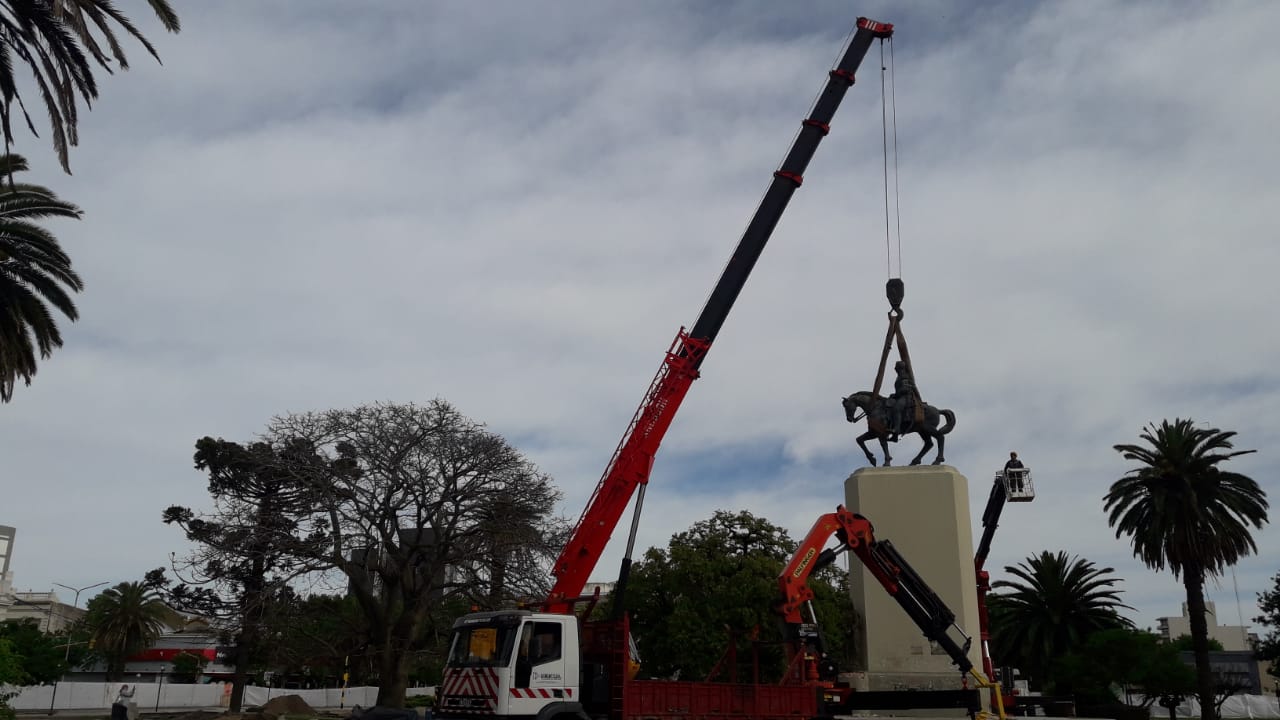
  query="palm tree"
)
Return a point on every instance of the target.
[
  {"x": 1058, "y": 603},
  {"x": 33, "y": 273},
  {"x": 1181, "y": 511},
  {"x": 60, "y": 41},
  {"x": 125, "y": 620}
]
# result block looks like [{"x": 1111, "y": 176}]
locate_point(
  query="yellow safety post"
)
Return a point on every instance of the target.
[{"x": 997, "y": 698}]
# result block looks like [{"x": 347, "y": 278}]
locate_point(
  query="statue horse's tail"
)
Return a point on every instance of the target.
[{"x": 951, "y": 421}]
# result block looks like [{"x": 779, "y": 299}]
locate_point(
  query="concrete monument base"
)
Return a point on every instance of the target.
[{"x": 924, "y": 512}]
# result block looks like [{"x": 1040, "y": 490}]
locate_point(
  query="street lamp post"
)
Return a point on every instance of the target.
[
  {"x": 66, "y": 655},
  {"x": 76, "y": 605}
]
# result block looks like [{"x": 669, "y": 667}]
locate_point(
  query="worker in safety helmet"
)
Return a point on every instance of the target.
[{"x": 900, "y": 401}]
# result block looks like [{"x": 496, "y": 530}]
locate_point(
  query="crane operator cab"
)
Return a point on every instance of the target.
[{"x": 511, "y": 662}]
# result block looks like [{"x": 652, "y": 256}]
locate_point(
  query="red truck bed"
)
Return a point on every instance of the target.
[{"x": 669, "y": 700}]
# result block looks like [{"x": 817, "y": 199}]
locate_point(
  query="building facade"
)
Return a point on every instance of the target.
[
  {"x": 6, "y": 552},
  {"x": 155, "y": 663},
  {"x": 1235, "y": 670},
  {"x": 1232, "y": 637},
  {"x": 50, "y": 613}
]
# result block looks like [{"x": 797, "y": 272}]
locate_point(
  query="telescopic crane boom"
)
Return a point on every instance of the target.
[
  {"x": 1011, "y": 484},
  {"x": 632, "y": 461}
]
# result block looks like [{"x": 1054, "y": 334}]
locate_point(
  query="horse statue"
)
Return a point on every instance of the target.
[{"x": 877, "y": 416}]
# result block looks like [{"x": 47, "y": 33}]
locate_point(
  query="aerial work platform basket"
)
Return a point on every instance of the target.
[{"x": 1017, "y": 484}]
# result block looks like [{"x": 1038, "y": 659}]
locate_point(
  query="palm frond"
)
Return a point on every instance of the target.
[
  {"x": 60, "y": 42},
  {"x": 35, "y": 274}
]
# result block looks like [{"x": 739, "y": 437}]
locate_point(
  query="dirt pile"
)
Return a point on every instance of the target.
[{"x": 286, "y": 705}]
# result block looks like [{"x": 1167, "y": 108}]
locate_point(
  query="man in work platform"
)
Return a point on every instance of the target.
[
  {"x": 1013, "y": 472},
  {"x": 904, "y": 392}
]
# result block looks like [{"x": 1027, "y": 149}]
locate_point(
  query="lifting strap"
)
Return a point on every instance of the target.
[{"x": 895, "y": 291}]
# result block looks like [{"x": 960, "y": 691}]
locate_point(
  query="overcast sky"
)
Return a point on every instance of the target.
[{"x": 514, "y": 206}]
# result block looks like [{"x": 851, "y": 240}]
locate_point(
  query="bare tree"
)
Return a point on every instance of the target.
[
  {"x": 249, "y": 547},
  {"x": 419, "y": 504}
]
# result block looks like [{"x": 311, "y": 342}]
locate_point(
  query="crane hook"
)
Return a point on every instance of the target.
[{"x": 895, "y": 291}]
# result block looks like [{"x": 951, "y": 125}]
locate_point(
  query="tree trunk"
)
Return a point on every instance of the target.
[
  {"x": 1193, "y": 580},
  {"x": 250, "y": 614},
  {"x": 238, "y": 680},
  {"x": 393, "y": 674},
  {"x": 115, "y": 666}
]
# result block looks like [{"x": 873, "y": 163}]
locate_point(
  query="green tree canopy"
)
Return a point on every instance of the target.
[
  {"x": 718, "y": 576},
  {"x": 187, "y": 667},
  {"x": 1138, "y": 663},
  {"x": 321, "y": 636},
  {"x": 1183, "y": 511},
  {"x": 10, "y": 674},
  {"x": 42, "y": 658},
  {"x": 1186, "y": 643},
  {"x": 1269, "y": 607},
  {"x": 10, "y": 664},
  {"x": 1055, "y": 603}
]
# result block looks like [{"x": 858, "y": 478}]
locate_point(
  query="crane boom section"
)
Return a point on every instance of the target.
[
  {"x": 786, "y": 179},
  {"x": 633, "y": 459},
  {"x": 628, "y": 468},
  {"x": 990, "y": 520}
]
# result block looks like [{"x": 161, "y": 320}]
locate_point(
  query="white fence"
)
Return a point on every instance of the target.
[
  {"x": 149, "y": 696},
  {"x": 1259, "y": 707}
]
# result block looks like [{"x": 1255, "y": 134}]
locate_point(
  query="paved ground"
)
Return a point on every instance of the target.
[{"x": 153, "y": 714}]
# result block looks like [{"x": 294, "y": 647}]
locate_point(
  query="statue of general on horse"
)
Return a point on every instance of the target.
[
  {"x": 902, "y": 412},
  {"x": 899, "y": 414}
]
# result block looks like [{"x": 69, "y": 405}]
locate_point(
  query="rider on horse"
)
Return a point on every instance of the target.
[{"x": 901, "y": 401}]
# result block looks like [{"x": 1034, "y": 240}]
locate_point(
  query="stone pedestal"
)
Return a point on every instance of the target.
[{"x": 924, "y": 512}]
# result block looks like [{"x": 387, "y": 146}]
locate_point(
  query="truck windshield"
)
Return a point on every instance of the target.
[{"x": 482, "y": 646}]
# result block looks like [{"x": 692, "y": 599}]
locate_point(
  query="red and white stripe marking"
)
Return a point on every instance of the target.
[
  {"x": 540, "y": 692},
  {"x": 471, "y": 682}
]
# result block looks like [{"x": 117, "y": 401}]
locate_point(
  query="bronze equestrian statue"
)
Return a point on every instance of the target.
[{"x": 879, "y": 415}]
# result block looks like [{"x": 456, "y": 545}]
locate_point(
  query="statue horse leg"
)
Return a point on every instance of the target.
[
  {"x": 928, "y": 445},
  {"x": 942, "y": 444},
  {"x": 884, "y": 446},
  {"x": 862, "y": 443}
]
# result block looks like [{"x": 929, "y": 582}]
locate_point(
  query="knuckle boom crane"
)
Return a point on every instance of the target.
[
  {"x": 553, "y": 665},
  {"x": 856, "y": 534}
]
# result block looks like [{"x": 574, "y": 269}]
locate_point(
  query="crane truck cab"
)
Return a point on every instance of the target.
[{"x": 512, "y": 663}]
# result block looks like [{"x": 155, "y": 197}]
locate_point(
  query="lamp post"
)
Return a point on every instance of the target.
[{"x": 76, "y": 604}]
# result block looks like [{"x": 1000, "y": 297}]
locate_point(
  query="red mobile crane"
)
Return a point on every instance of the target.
[
  {"x": 629, "y": 468},
  {"x": 856, "y": 534},
  {"x": 539, "y": 665}
]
